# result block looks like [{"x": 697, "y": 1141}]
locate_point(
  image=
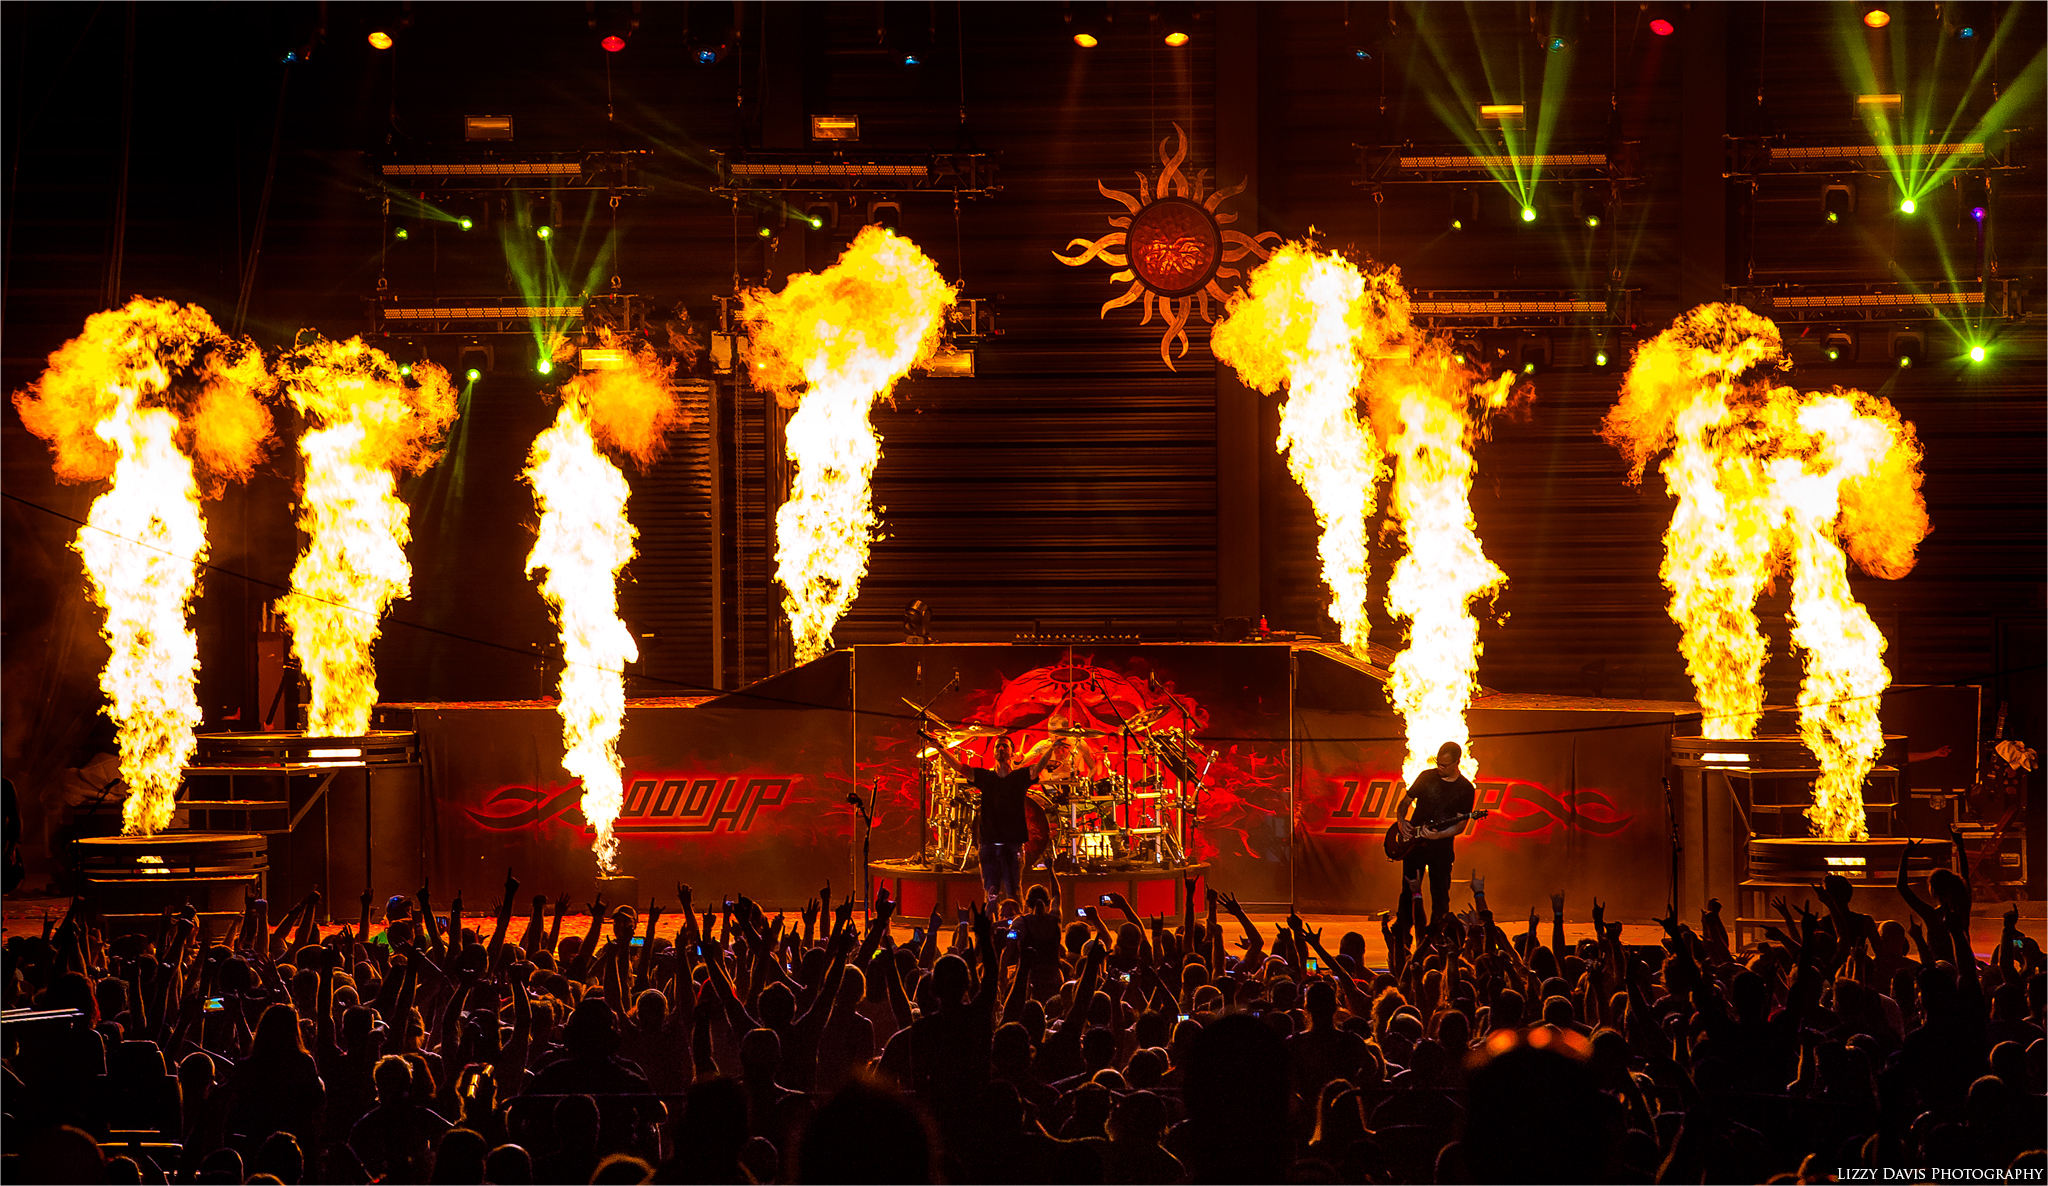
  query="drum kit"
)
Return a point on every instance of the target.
[{"x": 1128, "y": 812}]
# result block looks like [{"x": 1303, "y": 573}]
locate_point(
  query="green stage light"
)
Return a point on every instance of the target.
[
  {"x": 464, "y": 223},
  {"x": 1528, "y": 214},
  {"x": 545, "y": 232},
  {"x": 1977, "y": 353},
  {"x": 816, "y": 223},
  {"x": 1457, "y": 224},
  {"x": 1528, "y": 368},
  {"x": 1908, "y": 206},
  {"x": 1833, "y": 217},
  {"x": 475, "y": 374},
  {"x": 544, "y": 366},
  {"x": 405, "y": 369},
  {"x": 1600, "y": 359},
  {"x": 1834, "y": 354},
  {"x": 766, "y": 232},
  {"x": 402, "y": 233}
]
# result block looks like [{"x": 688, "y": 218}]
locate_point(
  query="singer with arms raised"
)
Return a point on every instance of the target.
[
  {"x": 1003, "y": 831},
  {"x": 1442, "y": 796}
]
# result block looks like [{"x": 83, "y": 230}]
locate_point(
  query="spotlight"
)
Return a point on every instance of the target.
[
  {"x": 1176, "y": 23},
  {"x": 885, "y": 214},
  {"x": 613, "y": 44},
  {"x": 816, "y": 222},
  {"x": 465, "y": 222},
  {"x": 1555, "y": 44},
  {"x": 1087, "y": 22},
  {"x": 1839, "y": 347},
  {"x": 1532, "y": 354},
  {"x": 612, "y": 25},
  {"x": 1966, "y": 32},
  {"x": 1978, "y": 353},
  {"x": 1837, "y": 202},
  {"x": 1908, "y": 206},
  {"x": 1600, "y": 356},
  {"x": 1464, "y": 208},
  {"x": 1876, "y": 18},
  {"x": 544, "y": 366},
  {"x": 405, "y": 368},
  {"x": 1528, "y": 214},
  {"x": 1590, "y": 204},
  {"x": 475, "y": 361},
  {"x": 1662, "y": 18},
  {"x": 765, "y": 232},
  {"x": 1907, "y": 347},
  {"x": 544, "y": 231},
  {"x": 401, "y": 234},
  {"x": 380, "y": 40}
]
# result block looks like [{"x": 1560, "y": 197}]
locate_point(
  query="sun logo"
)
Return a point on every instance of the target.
[{"x": 1175, "y": 247}]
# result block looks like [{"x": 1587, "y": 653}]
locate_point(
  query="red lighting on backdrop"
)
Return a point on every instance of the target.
[{"x": 613, "y": 44}]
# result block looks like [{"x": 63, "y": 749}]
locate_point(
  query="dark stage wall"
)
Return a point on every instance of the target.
[{"x": 747, "y": 791}]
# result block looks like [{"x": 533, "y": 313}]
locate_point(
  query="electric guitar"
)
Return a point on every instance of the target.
[{"x": 1403, "y": 836}]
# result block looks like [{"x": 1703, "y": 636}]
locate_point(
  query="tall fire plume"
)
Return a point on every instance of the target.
[
  {"x": 583, "y": 541},
  {"x": 1767, "y": 477},
  {"x": 154, "y": 396},
  {"x": 829, "y": 345},
  {"x": 366, "y": 424},
  {"x": 1337, "y": 337}
]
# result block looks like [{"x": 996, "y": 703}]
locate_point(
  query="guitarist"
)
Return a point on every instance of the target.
[{"x": 1440, "y": 794}]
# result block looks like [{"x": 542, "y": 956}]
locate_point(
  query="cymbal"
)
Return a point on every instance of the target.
[{"x": 1149, "y": 715}]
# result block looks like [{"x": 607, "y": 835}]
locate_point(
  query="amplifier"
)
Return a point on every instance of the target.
[{"x": 2007, "y": 866}]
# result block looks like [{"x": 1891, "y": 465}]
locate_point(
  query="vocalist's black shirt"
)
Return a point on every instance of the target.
[{"x": 1002, "y": 803}]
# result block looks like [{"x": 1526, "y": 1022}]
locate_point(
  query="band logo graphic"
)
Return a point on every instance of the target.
[
  {"x": 653, "y": 806},
  {"x": 1365, "y": 806}
]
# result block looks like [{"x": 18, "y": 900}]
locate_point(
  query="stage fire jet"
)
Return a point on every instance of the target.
[
  {"x": 830, "y": 344},
  {"x": 583, "y": 541},
  {"x": 1335, "y": 337},
  {"x": 152, "y": 395},
  {"x": 368, "y": 423},
  {"x": 1767, "y": 476}
]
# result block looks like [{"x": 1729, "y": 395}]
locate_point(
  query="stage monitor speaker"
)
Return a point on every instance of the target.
[{"x": 377, "y": 837}]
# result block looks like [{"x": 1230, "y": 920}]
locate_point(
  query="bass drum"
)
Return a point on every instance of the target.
[{"x": 1038, "y": 814}]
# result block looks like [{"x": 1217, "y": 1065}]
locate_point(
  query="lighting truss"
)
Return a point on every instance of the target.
[
  {"x": 611, "y": 171},
  {"x": 1409, "y": 164},
  {"x": 961, "y": 174},
  {"x": 1521, "y": 309},
  {"x": 1749, "y": 158},
  {"x": 469, "y": 315},
  {"x": 1998, "y": 301}
]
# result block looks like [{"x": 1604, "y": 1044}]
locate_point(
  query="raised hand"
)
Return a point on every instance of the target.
[
  {"x": 682, "y": 897},
  {"x": 1294, "y": 922},
  {"x": 366, "y": 899},
  {"x": 1478, "y": 884},
  {"x": 1556, "y": 904},
  {"x": 1118, "y": 900},
  {"x": 562, "y": 902},
  {"x": 885, "y": 906},
  {"x": 1599, "y": 915},
  {"x": 511, "y": 886}
]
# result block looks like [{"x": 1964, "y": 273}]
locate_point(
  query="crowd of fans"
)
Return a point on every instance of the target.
[{"x": 1033, "y": 1044}]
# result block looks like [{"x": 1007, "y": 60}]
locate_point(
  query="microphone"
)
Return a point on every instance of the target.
[{"x": 853, "y": 797}]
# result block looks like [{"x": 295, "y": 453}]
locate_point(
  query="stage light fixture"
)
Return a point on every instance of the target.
[
  {"x": 473, "y": 374},
  {"x": 1528, "y": 214},
  {"x": 1662, "y": 19},
  {"x": 1590, "y": 204},
  {"x": 1464, "y": 208},
  {"x": 1532, "y": 354},
  {"x": 475, "y": 360},
  {"x": 379, "y": 39},
  {"x": 764, "y": 232},
  {"x": 1876, "y": 18},
  {"x": 544, "y": 231},
  {"x": 1600, "y": 356},
  {"x": 1839, "y": 347},
  {"x": 1176, "y": 23},
  {"x": 885, "y": 214},
  {"x": 1908, "y": 206},
  {"x": 405, "y": 368},
  {"x": 1087, "y": 23},
  {"x": 401, "y": 234},
  {"x": 816, "y": 222},
  {"x": 1837, "y": 202},
  {"x": 487, "y": 127},
  {"x": 1907, "y": 348},
  {"x": 544, "y": 366},
  {"x": 465, "y": 223},
  {"x": 1978, "y": 353}
]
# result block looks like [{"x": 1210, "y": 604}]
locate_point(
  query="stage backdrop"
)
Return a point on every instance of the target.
[{"x": 1572, "y": 787}]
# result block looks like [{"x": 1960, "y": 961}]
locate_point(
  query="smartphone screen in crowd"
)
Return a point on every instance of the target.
[
  {"x": 215, "y": 1004},
  {"x": 638, "y": 941},
  {"x": 1106, "y": 900}
]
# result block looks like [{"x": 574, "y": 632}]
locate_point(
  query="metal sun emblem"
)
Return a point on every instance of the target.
[{"x": 1175, "y": 246}]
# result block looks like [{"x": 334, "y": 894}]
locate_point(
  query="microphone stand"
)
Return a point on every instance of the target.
[
  {"x": 867, "y": 836},
  {"x": 1671, "y": 818}
]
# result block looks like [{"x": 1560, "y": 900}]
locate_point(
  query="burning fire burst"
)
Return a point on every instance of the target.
[
  {"x": 1175, "y": 246},
  {"x": 369, "y": 424},
  {"x": 145, "y": 392},
  {"x": 1767, "y": 476},
  {"x": 583, "y": 542},
  {"x": 1333, "y": 335},
  {"x": 830, "y": 344}
]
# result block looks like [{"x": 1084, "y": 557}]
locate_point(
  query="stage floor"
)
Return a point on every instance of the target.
[{"x": 24, "y": 916}]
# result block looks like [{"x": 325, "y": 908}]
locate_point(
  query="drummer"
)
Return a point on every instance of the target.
[
  {"x": 1003, "y": 829},
  {"x": 1081, "y": 761}
]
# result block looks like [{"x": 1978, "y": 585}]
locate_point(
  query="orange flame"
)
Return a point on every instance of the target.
[
  {"x": 1303, "y": 321},
  {"x": 830, "y": 344},
  {"x": 583, "y": 541},
  {"x": 369, "y": 425},
  {"x": 1764, "y": 475},
  {"x": 1330, "y": 333},
  {"x": 138, "y": 396}
]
